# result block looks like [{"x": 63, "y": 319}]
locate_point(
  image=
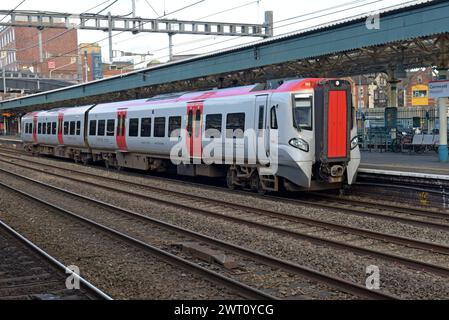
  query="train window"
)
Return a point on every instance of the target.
[
  {"x": 159, "y": 127},
  {"x": 39, "y": 128},
  {"x": 133, "y": 127},
  {"x": 92, "y": 127},
  {"x": 213, "y": 125},
  {"x": 53, "y": 128},
  {"x": 110, "y": 128},
  {"x": 72, "y": 128},
  {"x": 101, "y": 127},
  {"x": 261, "y": 115},
  {"x": 273, "y": 118},
  {"x": 78, "y": 128},
  {"x": 26, "y": 128},
  {"x": 235, "y": 125},
  {"x": 44, "y": 128},
  {"x": 174, "y": 126},
  {"x": 66, "y": 128},
  {"x": 48, "y": 127},
  {"x": 145, "y": 127},
  {"x": 302, "y": 113}
]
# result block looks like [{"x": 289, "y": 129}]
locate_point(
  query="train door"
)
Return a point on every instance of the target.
[
  {"x": 337, "y": 126},
  {"x": 35, "y": 128},
  {"x": 121, "y": 130},
  {"x": 60, "y": 127},
  {"x": 262, "y": 125},
  {"x": 195, "y": 130}
]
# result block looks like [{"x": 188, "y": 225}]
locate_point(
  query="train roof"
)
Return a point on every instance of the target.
[{"x": 192, "y": 96}]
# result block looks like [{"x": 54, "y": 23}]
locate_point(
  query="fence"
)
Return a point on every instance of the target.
[{"x": 372, "y": 128}]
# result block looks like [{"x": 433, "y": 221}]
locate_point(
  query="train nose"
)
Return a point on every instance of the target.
[{"x": 337, "y": 171}]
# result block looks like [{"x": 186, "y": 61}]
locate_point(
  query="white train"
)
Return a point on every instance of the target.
[{"x": 299, "y": 136}]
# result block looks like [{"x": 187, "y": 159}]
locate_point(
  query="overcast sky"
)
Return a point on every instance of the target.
[{"x": 252, "y": 13}]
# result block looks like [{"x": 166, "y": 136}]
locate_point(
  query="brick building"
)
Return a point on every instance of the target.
[
  {"x": 59, "y": 51},
  {"x": 92, "y": 65}
]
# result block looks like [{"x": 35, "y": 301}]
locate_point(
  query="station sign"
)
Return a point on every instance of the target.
[{"x": 439, "y": 89}]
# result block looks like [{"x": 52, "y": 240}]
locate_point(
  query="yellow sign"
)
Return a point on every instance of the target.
[{"x": 420, "y": 95}]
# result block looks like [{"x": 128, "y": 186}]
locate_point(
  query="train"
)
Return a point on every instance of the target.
[{"x": 294, "y": 135}]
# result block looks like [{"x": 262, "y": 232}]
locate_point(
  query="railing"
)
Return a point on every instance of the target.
[{"x": 374, "y": 134}]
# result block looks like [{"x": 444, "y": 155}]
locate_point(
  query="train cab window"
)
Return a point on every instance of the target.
[
  {"x": 39, "y": 128},
  {"x": 101, "y": 127},
  {"x": 145, "y": 127},
  {"x": 48, "y": 128},
  {"x": 53, "y": 128},
  {"x": 174, "y": 126},
  {"x": 302, "y": 113},
  {"x": 93, "y": 127},
  {"x": 213, "y": 125},
  {"x": 110, "y": 125},
  {"x": 133, "y": 127},
  {"x": 273, "y": 118},
  {"x": 66, "y": 128},
  {"x": 235, "y": 125},
  {"x": 72, "y": 128},
  {"x": 78, "y": 128},
  {"x": 159, "y": 127}
]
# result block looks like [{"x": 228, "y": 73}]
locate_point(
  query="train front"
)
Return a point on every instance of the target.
[{"x": 323, "y": 142}]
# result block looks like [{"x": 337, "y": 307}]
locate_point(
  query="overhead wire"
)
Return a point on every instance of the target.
[
  {"x": 121, "y": 32},
  {"x": 12, "y": 10},
  {"x": 278, "y": 27}
]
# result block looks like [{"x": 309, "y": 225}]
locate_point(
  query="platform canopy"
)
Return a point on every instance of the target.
[{"x": 410, "y": 35}]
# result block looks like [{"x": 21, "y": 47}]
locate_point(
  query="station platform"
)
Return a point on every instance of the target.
[{"x": 413, "y": 165}]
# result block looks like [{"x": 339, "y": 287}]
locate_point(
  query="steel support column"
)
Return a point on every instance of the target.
[{"x": 442, "y": 111}]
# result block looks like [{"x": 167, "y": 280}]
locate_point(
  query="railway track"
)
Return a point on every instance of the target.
[
  {"x": 430, "y": 248},
  {"x": 364, "y": 208},
  {"x": 240, "y": 288},
  {"x": 129, "y": 218},
  {"x": 434, "y": 247},
  {"x": 29, "y": 273}
]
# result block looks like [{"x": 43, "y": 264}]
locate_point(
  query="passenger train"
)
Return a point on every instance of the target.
[{"x": 297, "y": 135}]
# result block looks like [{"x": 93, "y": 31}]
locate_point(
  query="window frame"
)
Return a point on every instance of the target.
[
  {"x": 72, "y": 128},
  {"x": 101, "y": 124},
  {"x": 78, "y": 128},
  {"x": 178, "y": 125},
  {"x": 312, "y": 103},
  {"x": 155, "y": 127},
  {"x": 236, "y": 128},
  {"x": 94, "y": 128},
  {"x": 132, "y": 126},
  {"x": 149, "y": 126},
  {"x": 207, "y": 126},
  {"x": 109, "y": 123}
]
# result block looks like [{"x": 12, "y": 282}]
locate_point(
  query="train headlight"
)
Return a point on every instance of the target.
[
  {"x": 354, "y": 143},
  {"x": 299, "y": 144}
]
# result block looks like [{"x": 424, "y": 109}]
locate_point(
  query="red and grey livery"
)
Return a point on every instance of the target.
[{"x": 313, "y": 120}]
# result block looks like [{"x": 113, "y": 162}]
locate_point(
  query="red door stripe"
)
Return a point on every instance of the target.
[
  {"x": 60, "y": 128},
  {"x": 121, "y": 131},
  {"x": 35, "y": 128},
  {"x": 194, "y": 141},
  {"x": 337, "y": 125}
]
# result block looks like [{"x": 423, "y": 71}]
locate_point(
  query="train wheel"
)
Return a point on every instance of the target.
[
  {"x": 230, "y": 180},
  {"x": 256, "y": 184}
]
